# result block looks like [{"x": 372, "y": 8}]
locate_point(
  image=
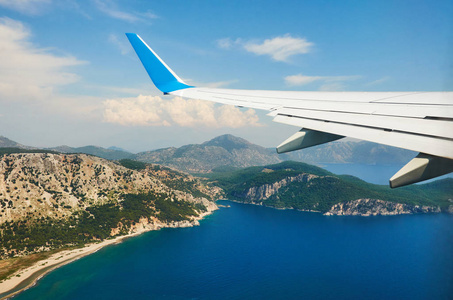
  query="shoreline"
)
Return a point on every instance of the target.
[
  {"x": 27, "y": 277},
  {"x": 330, "y": 214}
]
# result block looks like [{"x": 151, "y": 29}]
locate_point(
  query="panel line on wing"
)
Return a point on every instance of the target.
[
  {"x": 419, "y": 143},
  {"x": 387, "y": 129}
]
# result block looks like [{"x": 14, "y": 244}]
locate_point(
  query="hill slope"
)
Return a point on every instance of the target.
[
  {"x": 48, "y": 201},
  {"x": 352, "y": 152},
  {"x": 7, "y": 143},
  {"x": 306, "y": 187},
  {"x": 223, "y": 151}
]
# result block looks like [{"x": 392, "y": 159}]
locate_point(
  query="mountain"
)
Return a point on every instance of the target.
[
  {"x": 353, "y": 152},
  {"x": 306, "y": 187},
  {"x": 227, "y": 152},
  {"x": 49, "y": 201},
  {"x": 223, "y": 152},
  {"x": 111, "y": 154},
  {"x": 7, "y": 143}
]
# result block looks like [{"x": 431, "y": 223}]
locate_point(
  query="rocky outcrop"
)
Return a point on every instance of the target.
[
  {"x": 374, "y": 207},
  {"x": 450, "y": 209},
  {"x": 265, "y": 191}
]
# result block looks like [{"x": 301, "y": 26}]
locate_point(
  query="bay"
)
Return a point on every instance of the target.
[{"x": 253, "y": 252}]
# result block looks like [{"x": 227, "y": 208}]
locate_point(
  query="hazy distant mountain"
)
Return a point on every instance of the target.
[
  {"x": 116, "y": 148},
  {"x": 228, "y": 151},
  {"x": 7, "y": 143},
  {"x": 353, "y": 152},
  {"x": 225, "y": 151},
  {"x": 95, "y": 150}
]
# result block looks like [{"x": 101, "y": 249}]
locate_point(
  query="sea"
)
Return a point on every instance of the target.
[{"x": 252, "y": 252}]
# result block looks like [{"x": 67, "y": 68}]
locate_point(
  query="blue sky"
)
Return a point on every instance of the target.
[{"x": 69, "y": 76}]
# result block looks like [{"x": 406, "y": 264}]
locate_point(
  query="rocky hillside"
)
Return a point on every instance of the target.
[
  {"x": 373, "y": 207},
  {"x": 68, "y": 192},
  {"x": 226, "y": 151},
  {"x": 306, "y": 187}
]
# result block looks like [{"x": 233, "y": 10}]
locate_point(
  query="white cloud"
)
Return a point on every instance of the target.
[
  {"x": 110, "y": 8},
  {"x": 29, "y": 7},
  {"x": 280, "y": 48},
  {"x": 378, "y": 81},
  {"x": 329, "y": 83},
  {"x": 122, "y": 46},
  {"x": 27, "y": 71},
  {"x": 227, "y": 43},
  {"x": 155, "y": 111},
  {"x": 299, "y": 79}
]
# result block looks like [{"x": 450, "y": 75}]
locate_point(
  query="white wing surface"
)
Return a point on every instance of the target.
[{"x": 418, "y": 121}]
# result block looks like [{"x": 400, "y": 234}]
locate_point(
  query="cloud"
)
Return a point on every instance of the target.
[
  {"x": 378, "y": 81},
  {"x": 29, "y": 7},
  {"x": 280, "y": 48},
  {"x": 109, "y": 8},
  {"x": 329, "y": 83},
  {"x": 27, "y": 71},
  {"x": 122, "y": 46},
  {"x": 227, "y": 43},
  {"x": 155, "y": 111},
  {"x": 299, "y": 79}
]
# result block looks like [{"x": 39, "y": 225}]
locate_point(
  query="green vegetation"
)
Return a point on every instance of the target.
[
  {"x": 133, "y": 164},
  {"x": 324, "y": 190},
  {"x": 94, "y": 223}
]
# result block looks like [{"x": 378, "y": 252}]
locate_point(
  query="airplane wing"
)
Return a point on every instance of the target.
[{"x": 418, "y": 121}]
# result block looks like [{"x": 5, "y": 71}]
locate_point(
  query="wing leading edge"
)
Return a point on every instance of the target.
[{"x": 418, "y": 121}]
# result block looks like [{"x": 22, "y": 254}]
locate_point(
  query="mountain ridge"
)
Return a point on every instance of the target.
[{"x": 233, "y": 151}]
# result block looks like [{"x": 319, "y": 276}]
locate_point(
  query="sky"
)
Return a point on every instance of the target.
[{"x": 68, "y": 75}]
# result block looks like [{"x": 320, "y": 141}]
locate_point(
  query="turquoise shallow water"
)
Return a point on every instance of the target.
[{"x": 251, "y": 252}]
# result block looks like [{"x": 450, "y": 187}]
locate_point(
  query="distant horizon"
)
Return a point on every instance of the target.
[{"x": 135, "y": 152}]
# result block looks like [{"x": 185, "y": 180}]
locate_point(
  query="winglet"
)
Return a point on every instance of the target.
[{"x": 162, "y": 76}]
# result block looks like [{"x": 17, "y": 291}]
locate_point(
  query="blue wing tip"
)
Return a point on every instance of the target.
[{"x": 161, "y": 75}]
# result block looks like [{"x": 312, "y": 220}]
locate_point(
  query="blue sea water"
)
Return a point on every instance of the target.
[{"x": 253, "y": 252}]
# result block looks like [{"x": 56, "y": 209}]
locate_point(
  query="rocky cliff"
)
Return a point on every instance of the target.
[
  {"x": 265, "y": 191},
  {"x": 375, "y": 207}
]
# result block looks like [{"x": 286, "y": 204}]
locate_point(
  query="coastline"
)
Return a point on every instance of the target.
[
  {"x": 27, "y": 277},
  {"x": 398, "y": 209}
]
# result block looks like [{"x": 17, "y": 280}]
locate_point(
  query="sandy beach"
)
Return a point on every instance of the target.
[{"x": 27, "y": 277}]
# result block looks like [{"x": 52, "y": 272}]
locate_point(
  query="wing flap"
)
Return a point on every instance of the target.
[
  {"x": 438, "y": 128},
  {"x": 419, "y": 143}
]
